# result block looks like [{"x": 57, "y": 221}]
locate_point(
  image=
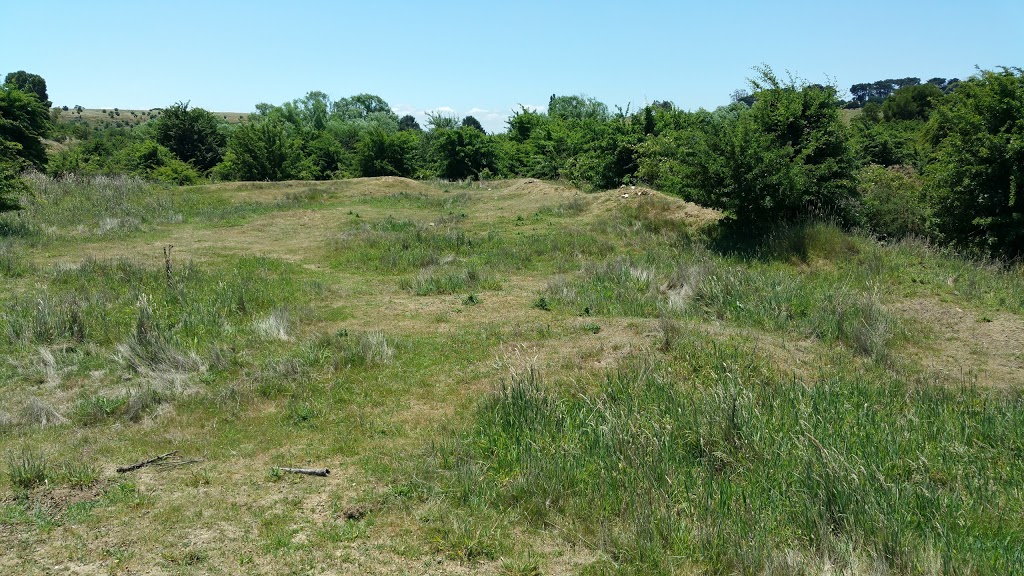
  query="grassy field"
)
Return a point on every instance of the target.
[{"x": 503, "y": 378}]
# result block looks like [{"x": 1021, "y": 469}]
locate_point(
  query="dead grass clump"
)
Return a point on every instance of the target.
[
  {"x": 49, "y": 366},
  {"x": 375, "y": 348},
  {"x": 681, "y": 286},
  {"x": 142, "y": 402},
  {"x": 275, "y": 326},
  {"x": 37, "y": 412}
]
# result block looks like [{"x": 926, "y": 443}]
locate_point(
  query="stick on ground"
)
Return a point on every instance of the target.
[
  {"x": 308, "y": 471},
  {"x": 137, "y": 465}
]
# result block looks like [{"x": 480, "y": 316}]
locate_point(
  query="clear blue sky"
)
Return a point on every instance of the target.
[{"x": 485, "y": 58}]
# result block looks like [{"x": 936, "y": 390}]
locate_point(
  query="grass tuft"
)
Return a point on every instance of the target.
[{"x": 28, "y": 470}]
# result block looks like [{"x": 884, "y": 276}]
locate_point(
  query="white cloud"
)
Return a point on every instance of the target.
[{"x": 403, "y": 109}]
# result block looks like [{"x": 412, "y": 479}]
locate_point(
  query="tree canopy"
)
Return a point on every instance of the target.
[
  {"x": 194, "y": 135},
  {"x": 24, "y": 121},
  {"x": 976, "y": 173},
  {"x": 29, "y": 83}
]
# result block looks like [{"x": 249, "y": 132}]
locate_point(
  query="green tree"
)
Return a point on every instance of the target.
[
  {"x": 152, "y": 161},
  {"x": 576, "y": 108},
  {"x": 785, "y": 158},
  {"x": 527, "y": 148},
  {"x": 457, "y": 152},
  {"x": 314, "y": 111},
  {"x": 323, "y": 158},
  {"x": 912, "y": 102},
  {"x": 194, "y": 135},
  {"x": 976, "y": 176},
  {"x": 262, "y": 149},
  {"x": 384, "y": 153},
  {"x": 360, "y": 107},
  {"x": 30, "y": 83},
  {"x": 408, "y": 122},
  {"x": 24, "y": 120},
  {"x": 472, "y": 122},
  {"x": 893, "y": 201},
  {"x": 11, "y": 184}
]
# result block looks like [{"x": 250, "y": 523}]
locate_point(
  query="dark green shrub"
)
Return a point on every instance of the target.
[
  {"x": 976, "y": 175},
  {"x": 893, "y": 206},
  {"x": 785, "y": 158}
]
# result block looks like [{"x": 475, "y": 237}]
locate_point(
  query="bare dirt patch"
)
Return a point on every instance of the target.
[{"x": 968, "y": 343}]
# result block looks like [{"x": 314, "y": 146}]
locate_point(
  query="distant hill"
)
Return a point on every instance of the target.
[{"x": 127, "y": 116}]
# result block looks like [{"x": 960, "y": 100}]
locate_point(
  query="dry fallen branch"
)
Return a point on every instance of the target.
[
  {"x": 137, "y": 465},
  {"x": 307, "y": 471}
]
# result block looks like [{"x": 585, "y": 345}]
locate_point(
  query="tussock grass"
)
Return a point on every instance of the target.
[
  {"x": 131, "y": 406},
  {"x": 78, "y": 474},
  {"x": 774, "y": 299},
  {"x": 124, "y": 205},
  {"x": 719, "y": 463},
  {"x": 96, "y": 204},
  {"x": 573, "y": 207},
  {"x": 39, "y": 412},
  {"x": 400, "y": 245},
  {"x": 375, "y": 349},
  {"x": 105, "y": 302},
  {"x": 47, "y": 320},
  {"x": 449, "y": 280},
  {"x": 275, "y": 326},
  {"x": 149, "y": 350},
  {"x": 918, "y": 269},
  {"x": 18, "y": 224},
  {"x": 468, "y": 538},
  {"x": 12, "y": 259},
  {"x": 28, "y": 470},
  {"x": 618, "y": 287}
]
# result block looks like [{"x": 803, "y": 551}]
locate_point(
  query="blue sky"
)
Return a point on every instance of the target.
[{"x": 487, "y": 58}]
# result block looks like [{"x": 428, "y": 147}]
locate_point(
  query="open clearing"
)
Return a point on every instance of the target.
[{"x": 359, "y": 325}]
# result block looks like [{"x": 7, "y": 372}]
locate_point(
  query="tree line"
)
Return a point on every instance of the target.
[{"x": 940, "y": 159}]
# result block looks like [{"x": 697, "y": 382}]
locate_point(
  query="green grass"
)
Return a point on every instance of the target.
[
  {"x": 392, "y": 246},
  {"x": 721, "y": 464}
]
